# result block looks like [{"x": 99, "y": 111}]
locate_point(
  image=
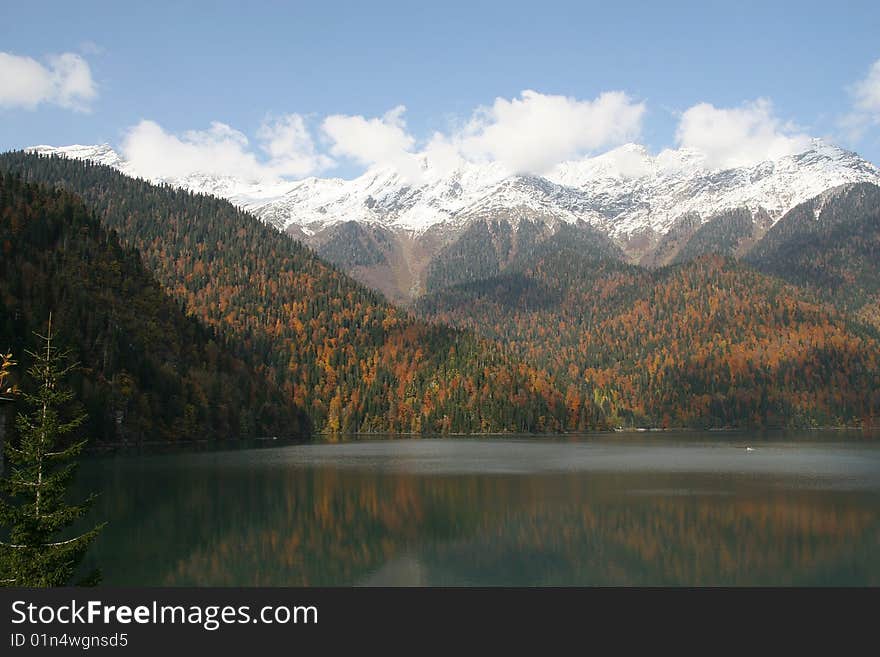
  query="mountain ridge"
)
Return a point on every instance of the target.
[
  {"x": 148, "y": 370},
  {"x": 632, "y": 197},
  {"x": 548, "y": 334},
  {"x": 599, "y": 183},
  {"x": 333, "y": 346}
]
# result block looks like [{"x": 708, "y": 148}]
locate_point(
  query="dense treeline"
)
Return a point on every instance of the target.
[
  {"x": 708, "y": 343},
  {"x": 335, "y": 348},
  {"x": 552, "y": 332},
  {"x": 146, "y": 370}
]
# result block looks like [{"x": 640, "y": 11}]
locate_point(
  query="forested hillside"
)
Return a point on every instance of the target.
[
  {"x": 710, "y": 343},
  {"x": 146, "y": 369},
  {"x": 556, "y": 333},
  {"x": 488, "y": 248},
  {"x": 334, "y": 347},
  {"x": 830, "y": 245},
  {"x": 730, "y": 233}
]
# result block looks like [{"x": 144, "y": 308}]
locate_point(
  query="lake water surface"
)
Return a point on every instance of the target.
[{"x": 622, "y": 509}]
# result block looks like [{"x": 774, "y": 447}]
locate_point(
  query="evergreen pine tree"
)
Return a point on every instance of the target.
[{"x": 33, "y": 507}]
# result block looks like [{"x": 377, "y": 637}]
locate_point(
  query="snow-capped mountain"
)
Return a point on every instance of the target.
[
  {"x": 652, "y": 192},
  {"x": 101, "y": 154},
  {"x": 630, "y": 195},
  {"x": 624, "y": 191}
]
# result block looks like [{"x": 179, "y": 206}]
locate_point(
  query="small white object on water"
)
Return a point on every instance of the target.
[{"x": 750, "y": 449}]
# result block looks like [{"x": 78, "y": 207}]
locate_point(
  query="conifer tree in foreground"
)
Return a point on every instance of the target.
[{"x": 33, "y": 509}]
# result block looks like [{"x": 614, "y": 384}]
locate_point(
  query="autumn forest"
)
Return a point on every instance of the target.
[{"x": 192, "y": 319}]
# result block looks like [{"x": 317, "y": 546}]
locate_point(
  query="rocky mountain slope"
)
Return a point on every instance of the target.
[
  {"x": 392, "y": 234},
  {"x": 830, "y": 244}
]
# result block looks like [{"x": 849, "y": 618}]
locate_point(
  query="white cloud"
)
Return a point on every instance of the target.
[
  {"x": 223, "y": 151},
  {"x": 442, "y": 154},
  {"x": 866, "y": 104},
  {"x": 867, "y": 91},
  {"x": 65, "y": 80},
  {"x": 220, "y": 150},
  {"x": 629, "y": 163},
  {"x": 529, "y": 134},
  {"x": 533, "y": 133},
  {"x": 378, "y": 141},
  {"x": 290, "y": 147},
  {"x": 738, "y": 136}
]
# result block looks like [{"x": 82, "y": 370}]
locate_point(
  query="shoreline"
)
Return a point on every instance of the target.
[{"x": 330, "y": 438}]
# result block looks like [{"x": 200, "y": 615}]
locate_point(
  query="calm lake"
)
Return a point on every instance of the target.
[{"x": 619, "y": 509}]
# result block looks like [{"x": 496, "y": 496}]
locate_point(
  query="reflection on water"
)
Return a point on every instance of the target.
[{"x": 601, "y": 511}]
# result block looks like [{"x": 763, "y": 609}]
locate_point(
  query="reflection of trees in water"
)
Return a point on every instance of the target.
[
  {"x": 672, "y": 541},
  {"x": 234, "y": 526}
]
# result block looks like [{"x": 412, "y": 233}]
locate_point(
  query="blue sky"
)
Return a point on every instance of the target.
[{"x": 185, "y": 65}]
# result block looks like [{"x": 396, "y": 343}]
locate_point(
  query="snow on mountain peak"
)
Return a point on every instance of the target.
[
  {"x": 623, "y": 191},
  {"x": 99, "y": 153}
]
